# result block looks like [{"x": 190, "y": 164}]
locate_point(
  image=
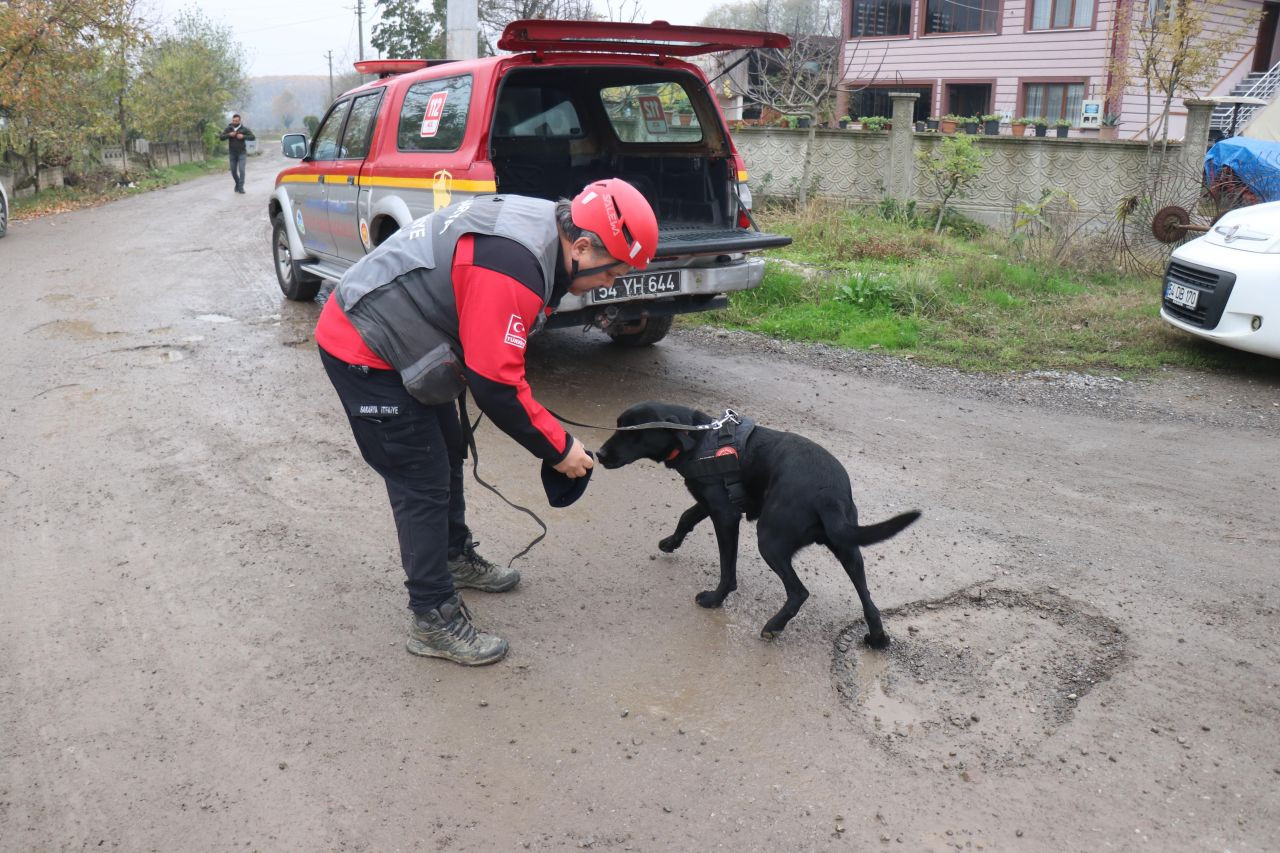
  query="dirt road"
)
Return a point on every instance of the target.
[{"x": 203, "y": 623}]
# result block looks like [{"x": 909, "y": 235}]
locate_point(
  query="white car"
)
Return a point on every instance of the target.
[
  {"x": 4, "y": 212},
  {"x": 1225, "y": 285}
]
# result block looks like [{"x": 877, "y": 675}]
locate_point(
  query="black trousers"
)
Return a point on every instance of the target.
[{"x": 418, "y": 451}]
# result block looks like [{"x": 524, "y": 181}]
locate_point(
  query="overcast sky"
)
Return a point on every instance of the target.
[{"x": 289, "y": 38}]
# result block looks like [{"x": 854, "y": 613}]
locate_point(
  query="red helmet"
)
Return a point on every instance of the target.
[{"x": 622, "y": 217}]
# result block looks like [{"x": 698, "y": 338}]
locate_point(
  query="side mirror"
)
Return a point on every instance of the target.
[{"x": 294, "y": 145}]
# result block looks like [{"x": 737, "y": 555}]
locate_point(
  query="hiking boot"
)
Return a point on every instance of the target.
[
  {"x": 471, "y": 571},
  {"x": 447, "y": 632}
]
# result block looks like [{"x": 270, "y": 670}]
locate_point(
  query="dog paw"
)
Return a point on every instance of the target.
[
  {"x": 709, "y": 598},
  {"x": 880, "y": 642},
  {"x": 669, "y": 545},
  {"x": 767, "y": 634}
]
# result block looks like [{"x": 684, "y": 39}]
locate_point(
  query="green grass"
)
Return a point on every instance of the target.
[
  {"x": 862, "y": 281},
  {"x": 97, "y": 189}
]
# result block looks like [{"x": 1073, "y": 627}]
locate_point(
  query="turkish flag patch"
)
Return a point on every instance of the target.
[{"x": 516, "y": 334}]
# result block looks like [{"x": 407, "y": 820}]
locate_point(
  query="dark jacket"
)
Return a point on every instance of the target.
[{"x": 236, "y": 146}]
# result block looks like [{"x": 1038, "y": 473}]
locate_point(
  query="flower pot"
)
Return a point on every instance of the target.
[
  {"x": 947, "y": 126},
  {"x": 991, "y": 128},
  {"x": 844, "y": 123},
  {"x": 919, "y": 127},
  {"x": 670, "y": 116},
  {"x": 1108, "y": 133},
  {"x": 1041, "y": 130},
  {"x": 803, "y": 122},
  {"x": 931, "y": 124},
  {"x": 1062, "y": 132},
  {"x": 970, "y": 127},
  {"x": 1018, "y": 129},
  {"x": 684, "y": 119}
]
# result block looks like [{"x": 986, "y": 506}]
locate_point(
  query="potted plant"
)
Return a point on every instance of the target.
[
  {"x": 1019, "y": 125},
  {"x": 1109, "y": 127},
  {"x": 1041, "y": 125},
  {"x": 970, "y": 124},
  {"x": 802, "y": 121},
  {"x": 920, "y": 126},
  {"x": 685, "y": 115},
  {"x": 1062, "y": 125},
  {"x": 844, "y": 122},
  {"x": 991, "y": 125},
  {"x": 947, "y": 124},
  {"x": 931, "y": 122},
  {"x": 872, "y": 122}
]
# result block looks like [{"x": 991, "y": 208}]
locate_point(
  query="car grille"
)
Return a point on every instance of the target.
[{"x": 1214, "y": 287}]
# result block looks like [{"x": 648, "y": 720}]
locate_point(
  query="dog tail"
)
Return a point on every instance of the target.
[{"x": 874, "y": 533}]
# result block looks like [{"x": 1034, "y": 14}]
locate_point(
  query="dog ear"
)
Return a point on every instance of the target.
[{"x": 683, "y": 437}]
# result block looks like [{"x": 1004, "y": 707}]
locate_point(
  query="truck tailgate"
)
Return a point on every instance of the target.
[{"x": 696, "y": 240}]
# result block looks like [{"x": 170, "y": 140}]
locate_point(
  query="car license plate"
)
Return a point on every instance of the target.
[
  {"x": 1180, "y": 295},
  {"x": 639, "y": 285}
]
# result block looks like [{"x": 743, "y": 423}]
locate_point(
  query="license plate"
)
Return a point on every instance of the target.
[
  {"x": 1181, "y": 295},
  {"x": 641, "y": 284}
]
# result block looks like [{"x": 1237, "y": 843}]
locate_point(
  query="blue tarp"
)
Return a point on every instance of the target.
[{"x": 1256, "y": 162}]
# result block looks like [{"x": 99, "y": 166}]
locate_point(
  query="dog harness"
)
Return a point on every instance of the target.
[{"x": 716, "y": 456}]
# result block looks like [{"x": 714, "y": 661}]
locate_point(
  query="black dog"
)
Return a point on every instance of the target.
[{"x": 798, "y": 492}]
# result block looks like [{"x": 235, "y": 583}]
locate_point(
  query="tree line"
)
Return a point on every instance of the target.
[{"x": 79, "y": 74}]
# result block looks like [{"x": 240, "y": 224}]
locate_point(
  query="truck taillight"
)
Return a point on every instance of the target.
[{"x": 744, "y": 221}]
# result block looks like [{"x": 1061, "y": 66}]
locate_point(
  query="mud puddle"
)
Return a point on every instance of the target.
[{"x": 977, "y": 679}]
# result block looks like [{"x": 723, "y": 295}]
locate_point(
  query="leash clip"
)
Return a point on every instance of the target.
[{"x": 729, "y": 415}]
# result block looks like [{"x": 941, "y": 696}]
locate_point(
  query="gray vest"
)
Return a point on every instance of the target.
[{"x": 400, "y": 296}]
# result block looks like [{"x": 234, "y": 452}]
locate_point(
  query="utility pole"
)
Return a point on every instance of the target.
[
  {"x": 360, "y": 26},
  {"x": 461, "y": 28},
  {"x": 330, "y": 55}
]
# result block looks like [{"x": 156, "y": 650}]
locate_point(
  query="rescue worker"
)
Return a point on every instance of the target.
[{"x": 447, "y": 304}]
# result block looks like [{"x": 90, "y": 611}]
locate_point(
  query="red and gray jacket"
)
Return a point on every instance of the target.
[{"x": 450, "y": 300}]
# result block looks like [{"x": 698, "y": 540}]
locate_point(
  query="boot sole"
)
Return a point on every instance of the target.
[
  {"x": 421, "y": 649},
  {"x": 503, "y": 588}
]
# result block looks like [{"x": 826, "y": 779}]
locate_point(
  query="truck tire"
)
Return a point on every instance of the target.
[
  {"x": 295, "y": 284},
  {"x": 646, "y": 334}
]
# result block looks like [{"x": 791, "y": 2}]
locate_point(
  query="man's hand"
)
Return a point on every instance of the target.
[
  {"x": 577, "y": 463},
  {"x": 239, "y": 136}
]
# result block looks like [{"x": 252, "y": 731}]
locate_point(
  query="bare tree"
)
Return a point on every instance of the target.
[{"x": 802, "y": 79}]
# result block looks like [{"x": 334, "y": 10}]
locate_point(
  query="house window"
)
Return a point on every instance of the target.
[
  {"x": 1053, "y": 100},
  {"x": 962, "y": 16},
  {"x": 880, "y": 18},
  {"x": 875, "y": 101},
  {"x": 1062, "y": 14},
  {"x": 969, "y": 99}
]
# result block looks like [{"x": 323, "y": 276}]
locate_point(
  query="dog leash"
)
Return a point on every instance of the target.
[
  {"x": 729, "y": 415},
  {"x": 469, "y": 429},
  {"x": 469, "y": 436}
]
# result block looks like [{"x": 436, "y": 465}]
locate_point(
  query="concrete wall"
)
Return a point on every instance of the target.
[{"x": 855, "y": 167}]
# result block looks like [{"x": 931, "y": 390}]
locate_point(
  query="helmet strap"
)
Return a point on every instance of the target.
[{"x": 576, "y": 273}]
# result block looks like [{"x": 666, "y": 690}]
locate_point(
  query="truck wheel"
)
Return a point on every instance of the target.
[
  {"x": 644, "y": 334},
  {"x": 294, "y": 283}
]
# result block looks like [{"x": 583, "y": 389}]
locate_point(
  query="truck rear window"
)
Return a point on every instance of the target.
[
  {"x": 434, "y": 115},
  {"x": 651, "y": 112}
]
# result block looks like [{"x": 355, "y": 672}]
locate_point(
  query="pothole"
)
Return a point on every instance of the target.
[
  {"x": 146, "y": 355},
  {"x": 76, "y": 330},
  {"x": 977, "y": 679}
]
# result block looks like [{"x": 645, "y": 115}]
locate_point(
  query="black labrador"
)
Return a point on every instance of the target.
[{"x": 797, "y": 492}]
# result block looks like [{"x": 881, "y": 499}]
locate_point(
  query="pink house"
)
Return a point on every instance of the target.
[{"x": 1024, "y": 57}]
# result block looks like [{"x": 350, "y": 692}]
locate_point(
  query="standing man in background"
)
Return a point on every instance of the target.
[{"x": 235, "y": 134}]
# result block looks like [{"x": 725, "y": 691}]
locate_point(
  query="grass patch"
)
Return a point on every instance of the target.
[
  {"x": 877, "y": 280},
  {"x": 100, "y": 187}
]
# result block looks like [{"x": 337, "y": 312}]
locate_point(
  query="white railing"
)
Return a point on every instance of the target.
[{"x": 1265, "y": 88}]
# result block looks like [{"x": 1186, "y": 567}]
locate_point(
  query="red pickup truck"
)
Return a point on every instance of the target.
[{"x": 579, "y": 101}]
